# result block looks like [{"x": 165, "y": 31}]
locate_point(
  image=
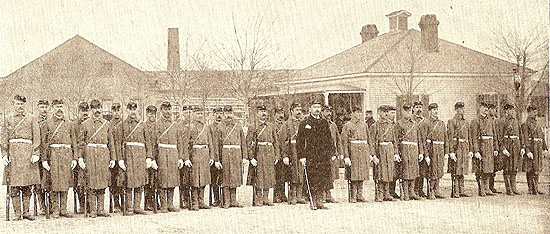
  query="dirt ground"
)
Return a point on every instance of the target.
[{"x": 500, "y": 214}]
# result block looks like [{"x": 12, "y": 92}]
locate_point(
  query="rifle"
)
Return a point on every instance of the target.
[
  {"x": 35, "y": 191},
  {"x": 155, "y": 194},
  {"x": 47, "y": 203},
  {"x": 75, "y": 208},
  {"x": 309, "y": 190},
  {"x": 7, "y": 172},
  {"x": 122, "y": 138}
]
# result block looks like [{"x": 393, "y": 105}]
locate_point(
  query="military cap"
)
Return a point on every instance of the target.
[
  {"x": 432, "y": 106},
  {"x": 508, "y": 106},
  {"x": 459, "y": 105},
  {"x": 132, "y": 105},
  {"x": 383, "y": 108},
  {"x": 165, "y": 104},
  {"x": 95, "y": 104},
  {"x": 279, "y": 109},
  {"x": 197, "y": 108},
  {"x": 531, "y": 108},
  {"x": 261, "y": 107},
  {"x": 491, "y": 106},
  {"x": 392, "y": 108},
  {"x": 227, "y": 108},
  {"x": 418, "y": 103},
  {"x": 186, "y": 108},
  {"x": 484, "y": 104},
  {"x": 151, "y": 109},
  {"x": 115, "y": 106},
  {"x": 294, "y": 105},
  {"x": 356, "y": 109},
  {"x": 407, "y": 107},
  {"x": 43, "y": 102},
  {"x": 20, "y": 98},
  {"x": 217, "y": 110},
  {"x": 57, "y": 101},
  {"x": 368, "y": 111},
  {"x": 83, "y": 106},
  {"x": 316, "y": 101}
]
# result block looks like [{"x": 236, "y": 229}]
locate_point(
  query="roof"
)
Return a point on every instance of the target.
[
  {"x": 399, "y": 12},
  {"x": 395, "y": 51}
]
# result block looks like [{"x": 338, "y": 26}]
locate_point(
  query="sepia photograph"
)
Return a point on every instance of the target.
[{"x": 281, "y": 116}]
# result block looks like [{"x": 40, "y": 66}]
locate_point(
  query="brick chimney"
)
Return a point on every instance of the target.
[
  {"x": 399, "y": 20},
  {"x": 428, "y": 27},
  {"x": 173, "y": 50},
  {"x": 368, "y": 32}
]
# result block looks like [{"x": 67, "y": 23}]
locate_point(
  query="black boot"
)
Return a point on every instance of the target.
[
  {"x": 513, "y": 184},
  {"x": 461, "y": 191},
  {"x": 536, "y": 185},
  {"x": 226, "y": 201},
  {"x": 353, "y": 192},
  {"x": 26, "y": 206},
  {"x": 507, "y": 185},
  {"x": 233, "y": 198},
  {"x": 16, "y": 202}
]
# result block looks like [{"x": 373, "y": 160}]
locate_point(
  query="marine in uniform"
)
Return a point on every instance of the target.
[
  {"x": 96, "y": 140},
  {"x": 459, "y": 148},
  {"x": 264, "y": 155},
  {"x": 535, "y": 148},
  {"x": 117, "y": 178},
  {"x": 201, "y": 149},
  {"x": 510, "y": 148},
  {"x": 397, "y": 166},
  {"x": 59, "y": 160},
  {"x": 315, "y": 148},
  {"x": 422, "y": 165},
  {"x": 498, "y": 160},
  {"x": 21, "y": 150},
  {"x": 185, "y": 190},
  {"x": 170, "y": 152},
  {"x": 357, "y": 147},
  {"x": 40, "y": 190},
  {"x": 79, "y": 174},
  {"x": 215, "y": 172},
  {"x": 409, "y": 140},
  {"x": 232, "y": 155},
  {"x": 134, "y": 158},
  {"x": 338, "y": 154},
  {"x": 484, "y": 144},
  {"x": 433, "y": 135},
  {"x": 281, "y": 169},
  {"x": 151, "y": 148}
]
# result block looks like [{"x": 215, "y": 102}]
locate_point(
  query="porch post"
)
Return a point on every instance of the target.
[{"x": 326, "y": 97}]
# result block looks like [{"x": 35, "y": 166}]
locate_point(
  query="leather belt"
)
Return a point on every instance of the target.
[
  {"x": 67, "y": 146},
  {"x": 486, "y": 137},
  {"x": 200, "y": 146},
  {"x": 536, "y": 139},
  {"x": 169, "y": 146},
  {"x": 231, "y": 146},
  {"x": 409, "y": 143},
  {"x": 460, "y": 140},
  {"x": 385, "y": 143},
  {"x": 292, "y": 141},
  {"x": 436, "y": 142},
  {"x": 135, "y": 144},
  {"x": 97, "y": 145},
  {"x": 264, "y": 143},
  {"x": 359, "y": 142},
  {"x": 512, "y": 137},
  {"x": 20, "y": 140}
]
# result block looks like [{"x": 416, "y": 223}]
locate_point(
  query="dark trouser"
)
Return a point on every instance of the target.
[
  {"x": 41, "y": 193},
  {"x": 133, "y": 202},
  {"x": 20, "y": 194},
  {"x": 59, "y": 203},
  {"x": 419, "y": 186},
  {"x": 166, "y": 199},
  {"x": 96, "y": 199},
  {"x": 280, "y": 179},
  {"x": 356, "y": 187},
  {"x": 533, "y": 183},
  {"x": 296, "y": 193}
]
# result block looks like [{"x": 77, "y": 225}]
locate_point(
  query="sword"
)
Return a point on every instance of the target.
[{"x": 309, "y": 191}]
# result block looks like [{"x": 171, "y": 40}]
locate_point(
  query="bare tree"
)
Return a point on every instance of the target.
[{"x": 250, "y": 57}]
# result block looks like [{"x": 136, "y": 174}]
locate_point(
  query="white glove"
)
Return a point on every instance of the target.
[
  {"x": 73, "y": 164},
  {"x": 5, "y": 160},
  {"x": 471, "y": 154},
  {"x": 81, "y": 163},
  {"x": 188, "y": 163},
  {"x": 453, "y": 156},
  {"x": 428, "y": 160},
  {"x": 211, "y": 162},
  {"x": 495, "y": 153},
  {"x": 397, "y": 158},
  {"x": 254, "y": 162},
  {"x": 420, "y": 157},
  {"x": 478, "y": 155},
  {"x": 530, "y": 155},
  {"x": 155, "y": 166},
  {"x": 506, "y": 152},
  {"x": 45, "y": 165},
  {"x": 112, "y": 164},
  {"x": 180, "y": 163},
  {"x": 121, "y": 165},
  {"x": 347, "y": 161},
  {"x": 333, "y": 158},
  {"x": 545, "y": 153},
  {"x": 375, "y": 160},
  {"x": 303, "y": 161},
  {"x": 276, "y": 161},
  {"x": 245, "y": 161},
  {"x": 447, "y": 156},
  {"x": 34, "y": 158},
  {"x": 286, "y": 161},
  {"x": 218, "y": 165},
  {"x": 148, "y": 163},
  {"x": 341, "y": 156},
  {"x": 522, "y": 152}
]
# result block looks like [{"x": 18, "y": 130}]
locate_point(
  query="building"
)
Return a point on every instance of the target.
[{"x": 403, "y": 64}]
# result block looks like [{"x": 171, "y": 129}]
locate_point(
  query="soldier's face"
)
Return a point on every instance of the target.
[
  {"x": 327, "y": 114},
  {"x": 434, "y": 112},
  {"x": 417, "y": 109},
  {"x": 228, "y": 115},
  {"x": 368, "y": 115},
  {"x": 43, "y": 109},
  {"x": 280, "y": 115},
  {"x": 132, "y": 112},
  {"x": 19, "y": 106},
  {"x": 297, "y": 112},
  {"x": 166, "y": 112},
  {"x": 392, "y": 114},
  {"x": 511, "y": 112},
  {"x": 117, "y": 114},
  {"x": 483, "y": 110},
  {"x": 262, "y": 114},
  {"x": 358, "y": 115},
  {"x": 151, "y": 116},
  {"x": 316, "y": 109},
  {"x": 176, "y": 113},
  {"x": 493, "y": 111},
  {"x": 96, "y": 112},
  {"x": 84, "y": 114},
  {"x": 58, "y": 109},
  {"x": 407, "y": 113},
  {"x": 460, "y": 111},
  {"x": 198, "y": 115},
  {"x": 532, "y": 113},
  {"x": 219, "y": 116}
]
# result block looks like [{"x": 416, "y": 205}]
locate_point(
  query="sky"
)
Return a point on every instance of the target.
[{"x": 304, "y": 31}]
